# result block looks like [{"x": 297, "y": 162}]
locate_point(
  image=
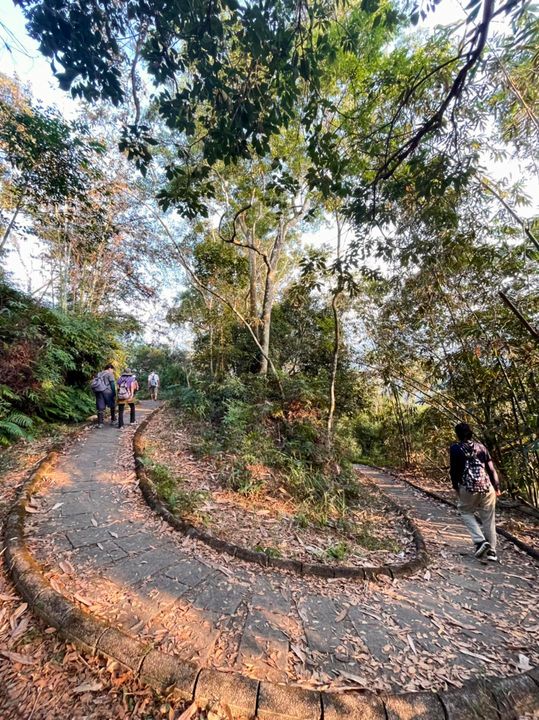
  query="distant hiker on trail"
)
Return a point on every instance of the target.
[
  {"x": 104, "y": 388},
  {"x": 153, "y": 384},
  {"x": 476, "y": 483},
  {"x": 127, "y": 387}
]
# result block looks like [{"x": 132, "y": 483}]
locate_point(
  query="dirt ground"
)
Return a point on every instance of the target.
[{"x": 271, "y": 520}]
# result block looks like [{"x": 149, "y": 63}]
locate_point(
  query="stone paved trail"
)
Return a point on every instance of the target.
[{"x": 100, "y": 545}]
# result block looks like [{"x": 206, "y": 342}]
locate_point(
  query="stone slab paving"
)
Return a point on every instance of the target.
[{"x": 101, "y": 546}]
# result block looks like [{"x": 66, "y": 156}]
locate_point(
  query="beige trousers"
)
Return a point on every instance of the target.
[{"x": 484, "y": 504}]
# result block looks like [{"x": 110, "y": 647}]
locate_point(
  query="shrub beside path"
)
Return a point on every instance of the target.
[{"x": 101, "y": 547}]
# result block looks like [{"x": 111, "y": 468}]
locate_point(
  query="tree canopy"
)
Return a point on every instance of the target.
[
  {"x": 228, "y": 76},
  {"x": 256, "y": 125}
]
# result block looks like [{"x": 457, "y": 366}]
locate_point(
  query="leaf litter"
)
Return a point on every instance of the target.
[
  {"x": 39, "y": 674},
  {"x": 267, "y": 519},
  {"x": 398, "y": 666}
]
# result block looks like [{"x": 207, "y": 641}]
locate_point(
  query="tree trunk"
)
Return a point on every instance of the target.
[
  {"x": 336, "y": 340},
  {"x": 12, "y": 221},
  {"x": 253, "y": 273},
  {"x": 402, "y": 425},
  {"x": 335, "y": 364},
  {"x": 511, "y": 305},
  {"x": 266, "y": 324},
  {"x": 212, "y": 369},
  {"x": 269, "y": 297},
  {"x": 211, "y": 352}
]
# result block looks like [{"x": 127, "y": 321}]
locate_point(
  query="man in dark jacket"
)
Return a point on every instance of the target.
[
  {"x": 106, "y": 396},
  {"x": 476, "y": 483}
]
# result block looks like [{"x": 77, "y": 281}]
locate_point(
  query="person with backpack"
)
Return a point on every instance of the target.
[
  {"x": 476, "y": 483},
  {"x": 104, "y": 388},
  {"x": 153, "y": 384},
  {"x": 126, "y": 389}
]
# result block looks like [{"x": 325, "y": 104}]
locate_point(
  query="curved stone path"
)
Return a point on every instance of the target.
[{"x": 101, "y": 546}]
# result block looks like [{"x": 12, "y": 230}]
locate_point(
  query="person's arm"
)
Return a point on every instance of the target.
[
  {"x": 491, "y": 472},
  {"x": 456, "y": 466}
]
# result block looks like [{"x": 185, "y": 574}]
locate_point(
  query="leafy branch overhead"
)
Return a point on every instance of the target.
[{"x": 227, "y": 77}]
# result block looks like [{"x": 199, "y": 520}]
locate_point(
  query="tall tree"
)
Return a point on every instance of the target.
[{"x": 42, "y": 158}]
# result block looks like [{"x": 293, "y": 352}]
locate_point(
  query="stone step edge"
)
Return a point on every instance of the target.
[
  {"x": 147, "y": 487},
  {"x": 525, "y": 547},
  {"x": 493, "y": 698}
]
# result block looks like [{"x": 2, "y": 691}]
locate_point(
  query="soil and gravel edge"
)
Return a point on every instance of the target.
[
  {"x": 496, "y": 698},
  {"x": 318, "y": 569}
]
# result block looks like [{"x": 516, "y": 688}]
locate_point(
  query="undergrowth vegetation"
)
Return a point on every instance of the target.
[
  {"x": 272, "y": 444},
  {"x": 46, "y": 361},
  {"x": 169, "y": 488}
]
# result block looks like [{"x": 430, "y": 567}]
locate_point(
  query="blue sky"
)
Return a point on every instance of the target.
[{"x": 29, "y": 66}]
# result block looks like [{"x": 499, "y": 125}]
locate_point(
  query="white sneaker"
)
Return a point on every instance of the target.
[{"x": 481, "y": 548}]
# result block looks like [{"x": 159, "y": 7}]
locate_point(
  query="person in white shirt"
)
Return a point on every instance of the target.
[{"x": 153, "y": 384}]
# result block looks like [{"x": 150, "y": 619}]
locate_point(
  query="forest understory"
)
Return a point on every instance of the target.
[{"x": 261, "y": 513}]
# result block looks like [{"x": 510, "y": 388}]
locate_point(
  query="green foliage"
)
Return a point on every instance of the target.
[
  {"x": 213, "y": 257},
  {"x": 270, "y": 442},
  {"x": 240, "y": 478},
  {"x": 260, "y": 67},
  {"x": 192, "y": 400},
  {"x": 168, "y": 487},
  {"x": 339, "y": 551},
  {"x": 448, "y": 350},
  {"x": 364, "y": 537},
  {"x": 238, "y": 420},
  {"x": 14, "y": 424},
  {"x": 45, "y": 155},
  {"x": 301, "y": 520},
  {"x": 271, "y": 552},
  {"x": 172, "y": 366},
  {"x": 241, "y": 103},
  {"x": 47, "y": 359}
]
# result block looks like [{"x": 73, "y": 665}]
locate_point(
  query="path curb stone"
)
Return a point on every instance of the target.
[
  {"x": 415, "y": 706},
  {"x": 501, "y": 698},
  {"x": 320, "y": 570}
]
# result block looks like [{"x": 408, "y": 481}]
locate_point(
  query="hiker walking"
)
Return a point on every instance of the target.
[
  {"x": 476, "y": 483},
  {"x": 153, "y": 384},
  {"x": 104, "y": 388},
  {"x": 127, "y": 387}
]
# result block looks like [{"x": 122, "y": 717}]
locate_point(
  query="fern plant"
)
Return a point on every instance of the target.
[
  {"x": 13, "y": 423},
  {"x": 46, "y": 360}
]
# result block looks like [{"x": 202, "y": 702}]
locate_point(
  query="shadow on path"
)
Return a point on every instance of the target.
[{"x": 101, "y": 545}]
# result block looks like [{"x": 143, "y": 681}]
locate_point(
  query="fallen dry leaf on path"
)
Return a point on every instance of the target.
[
  {"x": 524, "y": 663},
  {"x": 82, "y": 599},
  {"x": 17, "y": 657},
  {"x": 189, "y": 712},
  {"x": 16, "y": 615},
  {"x": 88, "y": 687},
  {"x": 476, "y": 655}
]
